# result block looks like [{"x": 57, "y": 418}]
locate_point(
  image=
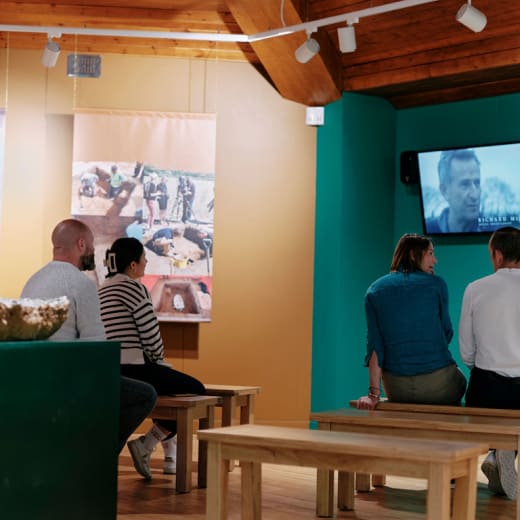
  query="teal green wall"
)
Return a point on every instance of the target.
[
  {"x": 362, "y": 208},
  {"x": 354, "y": 223}
]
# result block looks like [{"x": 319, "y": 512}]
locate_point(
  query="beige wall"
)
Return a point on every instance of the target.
[{"x": 264, "y": 213}]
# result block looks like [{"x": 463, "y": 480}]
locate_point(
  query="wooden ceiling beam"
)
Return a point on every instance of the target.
[
  {"x": 429, "y": 66},
  {"x": 316, "y": 82},
  {"x": 179, "y": 5},
  {"x": 424, "y": 93},
  {"x": 127, "y": 15},
  {"x": 384, "y": 37},
  {"x": 116, "y": 17}
]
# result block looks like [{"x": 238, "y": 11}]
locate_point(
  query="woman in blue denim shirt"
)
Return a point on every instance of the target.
[{"x": 408, "y": 331}]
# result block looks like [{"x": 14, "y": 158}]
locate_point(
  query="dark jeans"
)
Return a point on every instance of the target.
[
  {"x": 137, "y": 400},
  {"x": 488, "y": 389},
  {"x": 166, "y": 381}
]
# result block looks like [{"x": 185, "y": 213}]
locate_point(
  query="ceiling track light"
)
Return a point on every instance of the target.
[
  {"x": 303, "y": 54},
  {"x": 217, "y": 37},
  {"x": 347, "y": 38},
  {"x": 471, "y": 17},
  {"x": 51, "y": 52},
  {"x": 307, "y": 50}
]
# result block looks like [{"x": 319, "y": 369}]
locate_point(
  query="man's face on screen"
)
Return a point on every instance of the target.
[{"x": 463, "y": 191}]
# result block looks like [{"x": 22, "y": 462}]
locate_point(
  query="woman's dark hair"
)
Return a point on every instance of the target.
[
  {"x": 409, "y": 252},
  {"x": 121, "y": 254}
]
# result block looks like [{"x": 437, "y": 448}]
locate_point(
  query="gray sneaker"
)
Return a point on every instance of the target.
[
  {"x": 507, "y": 472},
  {"x": 490, "y": 469},
  {"x": 140, "y": 456}
]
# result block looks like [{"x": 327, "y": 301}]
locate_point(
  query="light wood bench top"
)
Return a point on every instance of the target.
[
  {"x": 420, "y": 420},
  {"x": 389, "y": 406},
  {"x": 341, "y": 442},
  {"x": 231, "y": 390},
  {"x": 185, "y": 401}
]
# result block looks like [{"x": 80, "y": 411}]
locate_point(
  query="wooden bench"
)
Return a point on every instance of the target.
[
  {"x": 233, "y": 397},
  {"x": 436, "y": 461},
  {"x": 185, "y": 410},
  {"x": 501, "y": 433},
  {"x": 388, "y": 406},
  {"x": 363, "y": 481},
  {"x": 242, "y": 397}
]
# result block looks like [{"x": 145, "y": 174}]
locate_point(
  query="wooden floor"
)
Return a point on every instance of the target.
[{"x": 288, "y": 494}]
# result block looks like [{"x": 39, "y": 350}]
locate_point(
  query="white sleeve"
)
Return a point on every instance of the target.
[{"x": 466, "y": 339}]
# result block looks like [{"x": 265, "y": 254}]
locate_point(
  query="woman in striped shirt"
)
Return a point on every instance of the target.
[{"x": 128, "y": 316}]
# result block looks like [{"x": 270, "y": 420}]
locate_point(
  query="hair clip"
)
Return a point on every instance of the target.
[{"x": 110, "y": 262}]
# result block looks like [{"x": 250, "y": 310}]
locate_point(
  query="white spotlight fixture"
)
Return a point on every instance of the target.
[
  {"x": 50, "y": 53},
  {"x": 307, "y": 50},
  {"x": 471, "y": 17},
  {"x": 347, "y": 38}
]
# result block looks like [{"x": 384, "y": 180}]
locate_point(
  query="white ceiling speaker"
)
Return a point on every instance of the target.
[{"x": 314, "y": 116}]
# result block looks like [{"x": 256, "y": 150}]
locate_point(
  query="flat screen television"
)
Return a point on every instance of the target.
[{"x": 472, "y": 190}]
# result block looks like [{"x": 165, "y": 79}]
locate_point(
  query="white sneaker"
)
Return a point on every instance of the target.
[
  {"x": 170, "y": 455},
  {"x": 170, "y": 466},
  {"x": 507, "y": 472},
  {"x": 140, "y": 457}
]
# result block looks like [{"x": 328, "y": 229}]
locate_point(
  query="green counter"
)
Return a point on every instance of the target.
[{"x": 59, "y": 414}]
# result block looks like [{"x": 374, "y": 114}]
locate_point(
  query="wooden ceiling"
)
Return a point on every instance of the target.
[{"x": 415, "y": 56}]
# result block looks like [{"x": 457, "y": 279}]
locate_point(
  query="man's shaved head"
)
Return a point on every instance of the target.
[
  {"x": 73, "y": 242},
  {"x": 68, "y": 232}
]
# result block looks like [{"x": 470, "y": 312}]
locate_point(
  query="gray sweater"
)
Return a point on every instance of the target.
[{"x": 63, "y": 279}]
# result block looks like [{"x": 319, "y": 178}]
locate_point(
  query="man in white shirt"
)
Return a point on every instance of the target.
[
  {"x": 73, "y": 252},
  {"x": 489, "y": 341}
]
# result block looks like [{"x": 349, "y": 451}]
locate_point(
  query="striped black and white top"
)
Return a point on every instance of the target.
[{"x": 128, "y": 316}]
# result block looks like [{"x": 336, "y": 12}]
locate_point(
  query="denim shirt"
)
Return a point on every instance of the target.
[{"x": 408, "y": 324}]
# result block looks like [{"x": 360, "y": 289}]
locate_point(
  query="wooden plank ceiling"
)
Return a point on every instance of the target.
[{"x": 415, "y": 56}]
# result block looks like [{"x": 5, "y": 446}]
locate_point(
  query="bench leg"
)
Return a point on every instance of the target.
[
  {"x": 439, "y": 493},
  {"x": 184, "y": 450},
  {"x": 324, "y": 493},
  {"x": 228, "y": 407},
  {"x": 247, "y": 411},
  {"x": 363, "y": 482},
  {"x": 202, "y": 465},
  {"x": 216, "y": 495},
  {"x": 247, "y": 415},
  {"x": 378, "y": 480},
  {"x": 251, "y": 490},
  {"x": 346, "y": 491},
  {"x": 465, "y": 494}
]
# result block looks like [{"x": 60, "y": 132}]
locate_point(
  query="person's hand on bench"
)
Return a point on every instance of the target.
[{"x": 366, "y": 402}]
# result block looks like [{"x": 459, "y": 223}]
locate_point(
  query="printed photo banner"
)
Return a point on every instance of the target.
[{"x": 151, "y": 176}]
